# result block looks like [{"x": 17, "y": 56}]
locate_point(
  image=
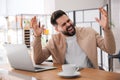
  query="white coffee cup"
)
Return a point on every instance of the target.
[{"x": 69, "y": 69}]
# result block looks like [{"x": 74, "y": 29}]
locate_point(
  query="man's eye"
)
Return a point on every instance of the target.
[{"x": 68, "y": 20}]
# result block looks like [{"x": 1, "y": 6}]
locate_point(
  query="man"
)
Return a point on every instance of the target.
[{"x": 72, "y": 45}]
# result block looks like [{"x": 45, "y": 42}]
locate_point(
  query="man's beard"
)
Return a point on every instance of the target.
[{"x": 68, "y": 33}]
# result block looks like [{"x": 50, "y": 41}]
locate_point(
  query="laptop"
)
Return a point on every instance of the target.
[{"x": 19, "y": 58}]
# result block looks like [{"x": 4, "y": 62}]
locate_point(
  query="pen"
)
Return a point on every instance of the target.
[{"x": 39, "y": 23}]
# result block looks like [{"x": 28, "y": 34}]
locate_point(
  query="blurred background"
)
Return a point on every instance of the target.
[{"x": 15, "y": 16}]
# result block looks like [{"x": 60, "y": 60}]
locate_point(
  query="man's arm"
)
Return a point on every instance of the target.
[
  {"x": 108, "y": 43},
  {"x": 39, "y": 54}
]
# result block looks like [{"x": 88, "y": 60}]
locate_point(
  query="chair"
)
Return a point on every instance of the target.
[{"x": 110, "y": 60}]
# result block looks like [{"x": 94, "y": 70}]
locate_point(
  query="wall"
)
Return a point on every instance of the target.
[
  {"x": 115, "y": 15},
  {"x": 2, "y": 7},
  {"x": 14, "y": 7},
  {"x": 69, "y": 5},
  {"x": 24, "y": 7},
  {"x": 49, "y": 6}
]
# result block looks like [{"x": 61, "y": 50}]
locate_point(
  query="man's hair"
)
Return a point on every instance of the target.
[{"x": 55, "y": 15}]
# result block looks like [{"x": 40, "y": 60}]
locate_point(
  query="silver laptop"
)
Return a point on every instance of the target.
[{"x": 19, "y": 58}]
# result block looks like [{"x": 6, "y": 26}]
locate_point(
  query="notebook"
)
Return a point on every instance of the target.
[{"x": 19, "y": 58}]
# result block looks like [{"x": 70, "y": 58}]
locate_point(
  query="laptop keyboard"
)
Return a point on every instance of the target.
[{"x": 38, "y": 68}]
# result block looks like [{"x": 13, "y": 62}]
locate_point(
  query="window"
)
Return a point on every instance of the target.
[{"x": 86, "y": 18}]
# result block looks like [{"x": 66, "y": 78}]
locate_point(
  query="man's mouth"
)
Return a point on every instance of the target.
[{"x": 70, "y": 29}]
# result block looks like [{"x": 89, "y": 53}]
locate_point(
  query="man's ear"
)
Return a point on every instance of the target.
[{"x": 56, "y": 28}]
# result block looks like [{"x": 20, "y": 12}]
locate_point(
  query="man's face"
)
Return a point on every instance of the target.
[{"x": 65, "y": 26}]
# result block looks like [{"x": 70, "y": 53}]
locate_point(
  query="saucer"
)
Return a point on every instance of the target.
[{"x": 62, "y": 74}]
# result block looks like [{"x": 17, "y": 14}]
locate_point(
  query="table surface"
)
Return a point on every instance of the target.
[{"x": 8, "y": 73}]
